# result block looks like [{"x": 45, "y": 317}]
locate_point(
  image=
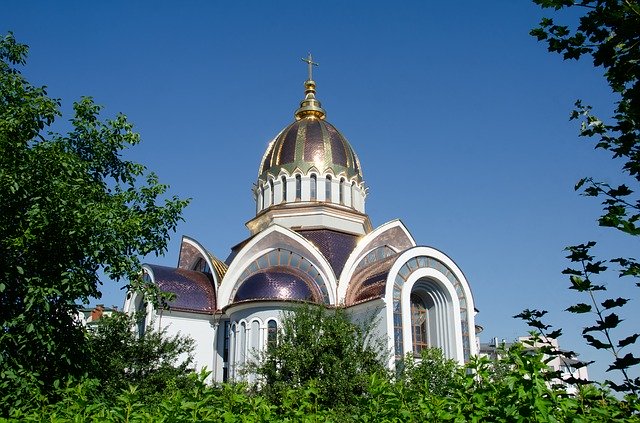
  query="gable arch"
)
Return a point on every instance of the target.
[
  {"x": 393, "y": 234},
  {"x": 436, "y": 274},
  {"x": 270, "y": 239},
  {"x": 187, "y": 259}
]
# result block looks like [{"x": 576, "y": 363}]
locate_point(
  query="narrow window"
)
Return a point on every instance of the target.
[
  {"x": 314, "y": 187},
  {"x": 272, "y": 334},
  {"x": 272, "y": 191},
  {"x": 327, "y": 188},
  {"x": 418, "y": 324},
  {"x": 353, "y": 195},
  {"x": 342, "y": 191},
  {"x": 298, "y": 187},
  {"x": 242, "y": 354},
  {"x": 284, "y": 189},
  {"x": 225, "y": 352},
  {"x": 262, "y": 195}
]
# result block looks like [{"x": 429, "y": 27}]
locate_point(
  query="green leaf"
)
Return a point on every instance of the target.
[
  {"x": 611, "y": 303},
  {"x": 628, "y": 340},
  {"x": 579, "y": 308}
]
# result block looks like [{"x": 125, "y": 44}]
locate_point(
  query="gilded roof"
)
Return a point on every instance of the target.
[{"x": 307, "y": 144}]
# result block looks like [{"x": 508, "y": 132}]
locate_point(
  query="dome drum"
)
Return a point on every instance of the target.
[{"x": 309, "y": 188}]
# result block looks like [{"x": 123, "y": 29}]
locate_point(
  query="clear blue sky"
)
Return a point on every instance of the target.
[{"x": 459, "y": 117}]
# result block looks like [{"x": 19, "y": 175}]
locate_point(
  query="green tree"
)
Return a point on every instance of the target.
[
  {"x": 71, "y": 206},
  {"x": 151, "y": 361},
  {"x": 431, "y": 373},
  {"x": 324, "y": 350},
  {"x": 607, "y": 32}
]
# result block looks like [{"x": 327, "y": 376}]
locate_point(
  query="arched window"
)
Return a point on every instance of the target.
[
  {"x": 314, "y": 187},
  {"x": 284, "y": 189},
  {"x": 272, "y": 333},
  {"x": 327, "y": 188},
  {"x": 242, "y": 353},
  {"x": 342, "y": 191},
  {"x": 202, "y": 266},
  {"x": 353, "y": 194},
  {"x": 419, "y": 324},
  {"x": 298, "y": 187},
  {"x": 271, "y": 190},
  {"x": 262, "y": 196},
  {"x": 225, "y": 351}
]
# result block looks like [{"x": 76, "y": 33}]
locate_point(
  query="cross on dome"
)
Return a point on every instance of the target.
[{"x": 310, "y": 63}]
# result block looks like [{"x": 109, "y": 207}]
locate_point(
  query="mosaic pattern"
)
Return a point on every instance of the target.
[
  {"x": 284, "y": 261},
  {"x": 369, "y": 281},
  {"x": 278, "y": 283},
  {"x": 189, "y": 256},
  {"x": 194, "y": 290},
  {"x": 423, "y": 262},
  {"x": 335, "y": 246},
  {"x": 311, "y": 143},
  {"x": 375, "y": 255}
]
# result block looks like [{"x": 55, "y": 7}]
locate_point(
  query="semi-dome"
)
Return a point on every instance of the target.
[{"x": 278, "y": 284}]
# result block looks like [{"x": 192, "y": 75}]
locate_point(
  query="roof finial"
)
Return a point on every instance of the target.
[
  {"x": 310, "y": 106},
  {"x": 311, "y": 64}
]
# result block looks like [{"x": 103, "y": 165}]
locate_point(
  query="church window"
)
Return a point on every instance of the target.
[
  {"x": 141, "y": 309},
  {"x": 284, "y": 189},
  {"x": 419, "y": 324},
  {"x": 242, "y": 353},
  {"x": 298, "y": 187},
  {"x": 202, "y": 266},
  {"x": 262, "y": 195},
  {"x": 225, "y": 351},
  {"x": 314, "y": 187},
  {"x": 271, "y": 190},
  {"x": 353, "y": 194},
  {"x": 327, "y": 188},
  {"x": 272, "y": 333},
  {"x": 342, "y": 191}
]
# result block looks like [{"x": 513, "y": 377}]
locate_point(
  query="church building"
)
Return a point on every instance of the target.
[{"x": 311, "y": 241}]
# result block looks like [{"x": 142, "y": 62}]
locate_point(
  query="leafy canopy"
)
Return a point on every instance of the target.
[
  {"x": 72, "y": 206},
  {"x": 323, "y": 349},
  {"x": 607, "y": 32},
  {"x": 153, "y": 362}
]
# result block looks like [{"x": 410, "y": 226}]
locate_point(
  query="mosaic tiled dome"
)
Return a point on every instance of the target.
[
  {"x": 279, "y": 284},
  {"x": 310, "y": 142}
]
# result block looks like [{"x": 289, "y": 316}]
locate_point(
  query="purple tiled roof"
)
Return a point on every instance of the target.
[
  {"x": 370, "y": 282},
  {"x": 278, "y": 283},
  {"x": 335, "y": 246},
  {"x": 194, "y": 290}
]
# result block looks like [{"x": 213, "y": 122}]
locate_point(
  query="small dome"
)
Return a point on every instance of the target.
[
  {"x": 311, "y": 143},
  {"x": 277, "y": 283}
]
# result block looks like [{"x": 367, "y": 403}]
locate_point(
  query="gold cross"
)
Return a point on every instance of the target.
[{"x": 309, "y": 61}]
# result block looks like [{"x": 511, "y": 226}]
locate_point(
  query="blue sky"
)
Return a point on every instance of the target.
[{"x": 459, "y": 117}]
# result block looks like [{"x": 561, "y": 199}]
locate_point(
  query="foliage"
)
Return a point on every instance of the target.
[
  {"x": 71, "y": 206},
  {"x": 607, "y": 32},
  {"x": 151, "y": 361},
  {"x": 321, "y": 350},
  {"x": 522, "y": 394},
  {"x": 431, "y": 372}
]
